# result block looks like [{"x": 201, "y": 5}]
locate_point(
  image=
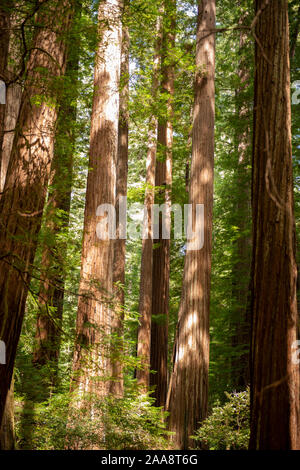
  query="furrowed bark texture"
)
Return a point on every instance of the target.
[
  {"x": 91, "y": 358},
  {"x": 161, "y": 251},
  {"x": 116, "y": 386},
  {"x": 274, "y": 376},
  {"x": 188, "y": 390},
  {"x": 22, "y": 203}
]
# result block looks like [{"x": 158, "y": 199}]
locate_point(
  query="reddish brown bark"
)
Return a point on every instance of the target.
[
  {"x": 91, "y": 363},
  {"x": 274, "y": 377},
  {"x": 22, "y": 203},
  {"x": 188, "y": 390}
]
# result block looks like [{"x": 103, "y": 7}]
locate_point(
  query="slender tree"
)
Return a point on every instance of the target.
[
  {"x": 274, "y": 376},
  {"x": 242, "y": 245},
  {"x": 116, "y": 386},
  {"x": 91, "y": 361},
  {"x": 12, "y": 106},
  {"x": 163, "y": 181},
  {"x": 22, "y": 202},
  {"x": 188, "y": 390},
  {"x": 145, "y": 301},
  {"x": 51, "y": 292}
]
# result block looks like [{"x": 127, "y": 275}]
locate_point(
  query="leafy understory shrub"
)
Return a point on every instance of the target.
[
  {"x": 228, "y": 426},
  {"x": 130, "y": 423},
  {"x": 134, "y": 424}
]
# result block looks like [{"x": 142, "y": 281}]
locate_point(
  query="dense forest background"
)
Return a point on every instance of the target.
[{"x": 81, "y": 375}]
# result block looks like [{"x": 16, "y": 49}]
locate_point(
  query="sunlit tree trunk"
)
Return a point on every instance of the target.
[
  {"x": 22, "y": 202},
  {"x": 188, "y": 391},
  {"x": 91, "y": 365},
  {"x": 163, "y": 180},
  {"x": 116, "y": 385},
  {"x": 274, "y": 375},
  {"x": 145, "y": 301}
]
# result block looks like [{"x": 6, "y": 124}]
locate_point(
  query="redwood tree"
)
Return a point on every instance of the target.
[
  {"x": 116, "y": 386},
  {"x": 275, "y": 384},
  {"x": 91, "y": 361},
  {"x": 145, "y": 301},
  {"x": 22, "y": 203},
  {"x": 241, "y": 219},
  {"x": 188, "y": 390},
  {"x": 51, "y": 292},
  {"x": 11, "y": 108},
  {"x": 163, "y": 182}
]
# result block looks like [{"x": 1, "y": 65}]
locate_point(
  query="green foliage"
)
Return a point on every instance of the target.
[
  {"x": 228, "y": 426},
  {"x": 134, "y": 423},
  {"x": 130, "y": 423}
]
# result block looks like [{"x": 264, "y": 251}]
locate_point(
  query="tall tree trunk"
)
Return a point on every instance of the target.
[
  {"x": 274, "y": 377},
  {"x": 241, "y": 270},
  {"x": 12, "y": 106},
  {"x": 145, "y": 301},
  {"x": 51, "y": 293},
  {"x": 22, "y": 203},
  {"x": 91, "y": 361},
  {"x": 161, "y": 251},
  {"x": 188, "y": 390},
  {"x": 116, "y": 385}
]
